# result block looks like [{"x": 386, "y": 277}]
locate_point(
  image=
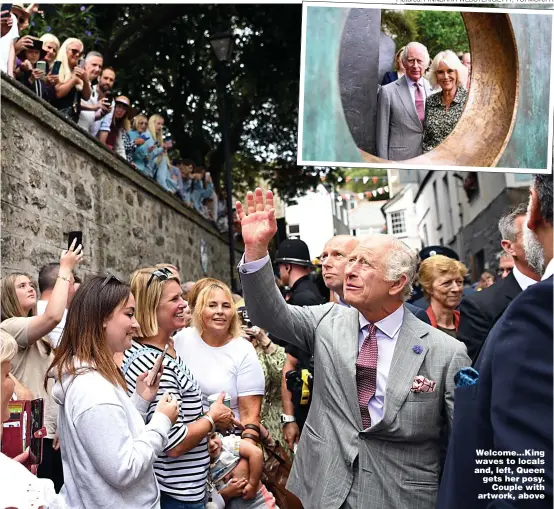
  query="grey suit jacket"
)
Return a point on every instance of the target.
[
  {"x": 399, "y": 130},
  {"x": 398, "y": 459}
]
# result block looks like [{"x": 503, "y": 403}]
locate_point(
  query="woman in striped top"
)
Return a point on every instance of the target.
[{"x": 182, "y": 468}]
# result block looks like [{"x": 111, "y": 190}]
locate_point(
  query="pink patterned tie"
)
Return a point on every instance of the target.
[
  {"x": 419, "y": 104},
  {"x": 366, "y": 373}
]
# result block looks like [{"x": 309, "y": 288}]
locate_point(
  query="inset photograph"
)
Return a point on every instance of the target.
[{"x": 426, "y": 87}]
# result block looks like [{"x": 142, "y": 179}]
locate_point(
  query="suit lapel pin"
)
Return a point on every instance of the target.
[{"x": 417, "y": 349}]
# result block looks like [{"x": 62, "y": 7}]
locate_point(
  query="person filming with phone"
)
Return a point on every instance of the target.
[
  {"x": 109, "y": 451},
  {"x": 35, "y": 353},
  {"x": 33, "y": 71},
  {"x": 74, "y": 81}
]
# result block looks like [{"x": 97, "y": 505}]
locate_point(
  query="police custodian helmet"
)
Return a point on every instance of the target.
[
  {"x": 428, "y": 251},
  {"x": 293, "y": 251}
]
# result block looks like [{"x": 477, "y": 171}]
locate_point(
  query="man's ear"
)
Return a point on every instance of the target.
[
  {"x": 534, "y": 218},
  {"x": 397, "y": 287},
  {"x": 507, "y": 246}
]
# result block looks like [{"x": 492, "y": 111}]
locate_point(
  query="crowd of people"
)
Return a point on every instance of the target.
[
  {"x": 80, "y": 87},
  {"x": 240, "y": 371},
  {"x": 421, "y": 101}
]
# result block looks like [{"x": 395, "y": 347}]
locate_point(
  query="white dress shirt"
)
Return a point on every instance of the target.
[
  {"x": 549, "y": 271},
  {"x": 523, "y": 281},
  {"x": 412, "y": 90},
  {"x": 387, "y": 335}
]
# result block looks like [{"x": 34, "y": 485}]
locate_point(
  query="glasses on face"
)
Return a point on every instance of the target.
[
  {"x": 76, "y": 52},
  {"x": 413, "y": 61},
  {"x": 143, "y": 123},
  {"x": 109, "y": 277},
  {"x": 162, "y": 274}
]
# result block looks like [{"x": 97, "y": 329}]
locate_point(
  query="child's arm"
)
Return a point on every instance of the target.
[
  {"x": 255, "y": 457},
  {"x": 233, "y": 490}
]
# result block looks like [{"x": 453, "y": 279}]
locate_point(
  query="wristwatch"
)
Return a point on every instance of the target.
[{"x": 285, "y": 419}]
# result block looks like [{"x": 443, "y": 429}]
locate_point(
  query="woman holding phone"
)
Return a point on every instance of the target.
[
  {"x": 108, "y": 450},
  {"x": 182, "y": 467},
  {"x": 138, "y": 136},
  {"x": 19, "y": 319},
  {"x": 158, "y": 162},
  {"x": 74, "y": 83},
  {"x": 32, "y": 73}
]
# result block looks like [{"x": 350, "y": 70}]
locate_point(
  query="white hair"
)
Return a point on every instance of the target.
[
  {"x": 418, "y": 45},
  {"x": 8, "y": 347},
  {"x": 401, "y": 261},
  {"x": 534, "y": 252},
  {"x": 452, "y": 61}
]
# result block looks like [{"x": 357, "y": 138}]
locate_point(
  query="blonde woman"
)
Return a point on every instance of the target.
[
  {"x": 139, "y": 135},
  {"x": 217, "y": 339},
  {"x": 399, "y": 70},
  {"x": 73, "y": 80},
  {"x": 442, "y": 281},
  {"x": 20, "y": 488},
  {"x": 182, "y": 467},
  {"x": 51, "y": 46},
  {"x": 34, "y": 355},
  {"x": 158, "y": 162},
  {"x": 444, "y": 109}
]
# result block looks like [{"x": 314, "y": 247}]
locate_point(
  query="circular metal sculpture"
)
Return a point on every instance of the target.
[{"x": 485, "y": 127}]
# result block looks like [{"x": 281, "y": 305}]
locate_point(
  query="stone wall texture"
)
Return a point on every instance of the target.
[{"x": 55, "y": 178}]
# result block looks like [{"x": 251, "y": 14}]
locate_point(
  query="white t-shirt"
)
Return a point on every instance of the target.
[
  {"x": 5, "y": 44},
  {"x": 87, "y": 119},
  {"x": 55, "y": 335},
  {"x": 233, "y": 368}
]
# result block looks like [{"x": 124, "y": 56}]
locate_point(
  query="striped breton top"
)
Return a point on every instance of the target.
[{"x": 183, "y": 478}]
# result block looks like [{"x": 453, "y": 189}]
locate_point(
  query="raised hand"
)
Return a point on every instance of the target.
[{"x": 258, "y": 226}]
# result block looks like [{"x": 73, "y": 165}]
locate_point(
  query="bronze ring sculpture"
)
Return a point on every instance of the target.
[{"x": 485, "y": 127}]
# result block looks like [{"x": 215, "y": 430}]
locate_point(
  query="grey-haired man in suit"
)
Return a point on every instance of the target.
[
  {"x": 401, "y": 108},
  {"x": 384, "y": 380}
]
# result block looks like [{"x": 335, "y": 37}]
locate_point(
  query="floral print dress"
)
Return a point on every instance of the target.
[{"x": 272, "y": 406}]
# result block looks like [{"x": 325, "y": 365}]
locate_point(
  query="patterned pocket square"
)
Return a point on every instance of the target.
[{"x": 422, "y": 384}]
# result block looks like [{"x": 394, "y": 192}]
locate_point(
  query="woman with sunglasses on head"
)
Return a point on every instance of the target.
[
  {"x": 182, "y": 468},
  {"x": 20, "y": 320},
  {"x": 107, "y": 449},
  {"x": 73, "y": 80}
]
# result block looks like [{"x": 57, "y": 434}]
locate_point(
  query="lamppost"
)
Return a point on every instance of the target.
[{"x": 222, "y": 45}]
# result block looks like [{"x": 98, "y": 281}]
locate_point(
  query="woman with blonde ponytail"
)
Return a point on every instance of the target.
[
  {"x": 158, "y": 164},
  {"x": 73, "y": 80}
]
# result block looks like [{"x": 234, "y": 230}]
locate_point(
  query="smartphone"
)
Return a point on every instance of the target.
[
  {"x": 71, "y": 236},
  {"x": 56, "y": 68},
  {"x": 151, "y": 378},
  {"x": 143, "y": 136},
  {"x": 37, "y": 44},
  {"x": 6, "y": 7},
  {"x": 37, "y": 422},
  {"x": 81, "y": 63},
  {"x": 41, "y": 66}
]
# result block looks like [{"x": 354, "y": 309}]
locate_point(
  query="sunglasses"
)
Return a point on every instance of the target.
[
  {"x": 109, "y": 277},
  {"x": 162, "y": 274},
  {"x": 76, "y": 52}
]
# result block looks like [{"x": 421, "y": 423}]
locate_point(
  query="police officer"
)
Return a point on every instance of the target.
[{"x": 295, "y": 266}]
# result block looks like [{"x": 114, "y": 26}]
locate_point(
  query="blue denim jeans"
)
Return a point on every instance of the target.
[{"x": 168, "y": 502}]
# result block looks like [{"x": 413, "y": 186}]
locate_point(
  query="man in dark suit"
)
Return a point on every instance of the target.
[
  {"x": 506, "y": 413},
  {"x": 480, "y": 310}
]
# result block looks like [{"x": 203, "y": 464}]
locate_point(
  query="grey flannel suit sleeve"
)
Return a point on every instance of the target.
[
  {"x": 459, "y": 360},
  {"x": 383, "y": 121},
  {"x": 268, "y": 310}
]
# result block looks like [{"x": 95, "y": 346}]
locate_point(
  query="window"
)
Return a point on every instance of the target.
[
  {"x": 436, "y": 198},
  {"x": 471, "y": 185},
  {"x": 425, "y": 241},
  {"x": 446, "y": 189},
  {"x": 398, "y": 222}
]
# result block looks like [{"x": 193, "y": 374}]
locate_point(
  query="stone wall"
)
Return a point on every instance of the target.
[{"x": 56, "y": 178}]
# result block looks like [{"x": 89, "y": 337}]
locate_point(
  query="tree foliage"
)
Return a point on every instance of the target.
[
  {"x": 437, "y": 30},
  {"x": 165, "y": 64}
]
